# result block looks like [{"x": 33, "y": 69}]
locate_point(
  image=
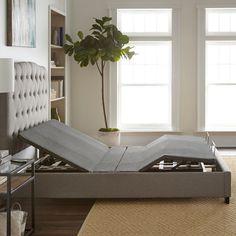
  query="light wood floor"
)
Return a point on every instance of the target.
[{"x": 59, "y": 217}]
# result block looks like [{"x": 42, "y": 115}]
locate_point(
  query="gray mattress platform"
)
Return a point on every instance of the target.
[
  {"x": 126, "y": 172},
  {"x": 88, "y": 154}
]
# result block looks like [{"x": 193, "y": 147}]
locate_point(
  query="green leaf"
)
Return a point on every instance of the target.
[
  {"x": 92, "y": 51},
  {"x": 100, "y": 22},
  {"x": 80, "y": 34},
  {"x": 124, "y": 39},
  {"x": 68, "y": 38},
  {"x": 70, "y": 53},
  {"x": 130, "y": 54},
  {"x": 106, "y": 19},
  {"x": 67, "y": 48},
  {"x": 96, "y": 27}
]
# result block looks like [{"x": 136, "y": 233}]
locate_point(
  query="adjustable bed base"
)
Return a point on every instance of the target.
[
  {"x": 171, "y": 166},
  {"x": 138, "y": 172}
]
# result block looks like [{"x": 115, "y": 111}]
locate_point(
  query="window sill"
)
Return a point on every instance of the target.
[
  {"x": 217, "y": 130},
  {"x": 148, "y": 131}
]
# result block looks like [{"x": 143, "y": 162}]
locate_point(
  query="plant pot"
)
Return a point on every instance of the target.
[{"x": 109, "y": 138}]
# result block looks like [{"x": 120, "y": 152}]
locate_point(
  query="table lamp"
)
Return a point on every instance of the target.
[{"x": 6, "y": 75}]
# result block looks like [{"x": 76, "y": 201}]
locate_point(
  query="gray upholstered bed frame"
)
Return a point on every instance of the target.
[
  {"x": 28, "y": 106},
  {"x": 25, "y": 108}
]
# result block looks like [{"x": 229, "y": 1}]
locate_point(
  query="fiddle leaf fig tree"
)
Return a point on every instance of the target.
[{"x": 105, "y": 44}]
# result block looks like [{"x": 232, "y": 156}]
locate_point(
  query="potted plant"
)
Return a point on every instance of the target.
[{"x": 105, "y": 44}]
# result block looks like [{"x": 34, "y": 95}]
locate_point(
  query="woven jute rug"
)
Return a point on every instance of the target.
[{"x": 196, "y": 216}]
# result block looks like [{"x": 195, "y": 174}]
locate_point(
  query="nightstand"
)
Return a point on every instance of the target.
[{"x": 16, "y": 178}]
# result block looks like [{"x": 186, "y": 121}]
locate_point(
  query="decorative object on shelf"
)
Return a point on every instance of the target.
[
  {"x": 105, "y": 44},
  {"x": 57, "y": 87},
  {"x": 54, "y": 36},
  {"x": 18, "y": 221},
  {"x": 55, "y": 114},
  {"x": 21, "y": 23},
  {"x": 53, "y": 64},
  {"x": 7, "y": 75},
  {"x": 53, "y": 94}
]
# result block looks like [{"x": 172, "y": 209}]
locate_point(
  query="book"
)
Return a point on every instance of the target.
[
  {"x": 4, "y": 153},
  {"x": 5, "y": 159},
  {"x": 61, "y": 34},
  {"x": 55, "y": 36}
]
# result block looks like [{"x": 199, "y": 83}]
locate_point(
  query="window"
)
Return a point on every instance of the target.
[
  {"x": 144, "y": 85},
  {"x": 220, "y": 69}
]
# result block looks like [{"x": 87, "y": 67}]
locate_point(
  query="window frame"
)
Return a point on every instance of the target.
[
  {"x": 113, "y": 83},
  {"x": 203, "y": 38}
]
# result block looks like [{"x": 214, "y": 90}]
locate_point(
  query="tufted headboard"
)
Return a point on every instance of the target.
[{"x": 25, "y": 107}]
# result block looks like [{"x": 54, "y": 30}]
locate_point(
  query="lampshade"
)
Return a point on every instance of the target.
[{"x": 6, "y": 75}]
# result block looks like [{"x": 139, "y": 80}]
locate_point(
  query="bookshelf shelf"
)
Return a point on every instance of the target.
[
  {"x": 57, "y": 62},
  {"x": 56, "y": 46},
  {"x": 57, "y": 99},
  {"x": 58, "y": 68}
]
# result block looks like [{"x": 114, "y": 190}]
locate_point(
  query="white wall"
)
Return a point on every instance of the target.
[{"x": 86, "y": 105}]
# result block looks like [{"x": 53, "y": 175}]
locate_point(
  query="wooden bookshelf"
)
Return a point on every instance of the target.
[{"x": 57, "y": 61}]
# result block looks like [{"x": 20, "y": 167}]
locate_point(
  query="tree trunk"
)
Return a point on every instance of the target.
[{"x": 103, "y": 94}]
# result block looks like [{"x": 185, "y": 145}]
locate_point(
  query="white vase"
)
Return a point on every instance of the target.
[{"x": 110, "y": 138}]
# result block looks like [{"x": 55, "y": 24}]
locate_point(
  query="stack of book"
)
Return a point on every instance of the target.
[
  {"x": 57, "y": 36},
  {"x": 5, "y": 162}
]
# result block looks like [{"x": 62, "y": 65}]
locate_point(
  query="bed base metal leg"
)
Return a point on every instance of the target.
[{"x": 227, "y": 200}]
